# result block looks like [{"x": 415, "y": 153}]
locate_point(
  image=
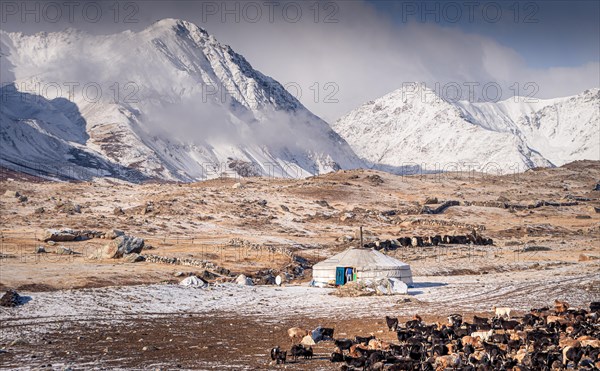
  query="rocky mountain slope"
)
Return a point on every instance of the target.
[
  {"x": 413, "y": 126},
  {"x": 169, "y": 102}
]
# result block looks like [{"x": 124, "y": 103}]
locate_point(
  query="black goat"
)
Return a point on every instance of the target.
[
  {"x": 392, "y": 323},
  {"x": 343, "y": 344},
  {"x": 364, "y": 340}
]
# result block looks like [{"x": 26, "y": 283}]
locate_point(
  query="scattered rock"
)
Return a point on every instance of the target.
[
  {"x": 118, "y": 211},
  {"x": 367, "y": 235},
  {"x": 323, "y": 203},
  {"x": 596, "y": 209},
  {"x": 179, "y": 274},
  {"x": 40, "y": 250},
  {"x": 588, "y": 257},
  {"x": 243, "y": 168},
  {"x": 11, "y": 194},
  {"x": 535, "y": 248},
  {"x": 262, "y": 202},
  {"x": 22, "y": 198},
  {"x": 597, "y": 187},
  {"x": 61, "y": 235},
  {"x": 11, "y": 299},
  {"x": 208, "y": 275},
  {"x": 431, "y": 201},
  {"x": 145, "y": 209},
  {"x": 40, "y": 210},
  {"x": 346, "y": 239},
  {"x": 583, "y": 217},
  {"x": 113, "y": 233},
  {"x": 244, "y": 281},
  {"x": 68, "y": 208},
  {"x": 149, "y": 348},
  {"x": 123, "y": 245},
  {"x": 237, "y": 186},
  {"x": 51, "y": 243},
  {"x": 375, "y": 179},
  {"x": 285, "y": 208},
  {"x": 134, "y": 258},
  {"x": 61, "y": 250},
  {"x": 346, "y": 216}
]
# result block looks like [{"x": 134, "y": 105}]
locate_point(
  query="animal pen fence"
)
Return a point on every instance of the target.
[{"x": 176, "y": 249}]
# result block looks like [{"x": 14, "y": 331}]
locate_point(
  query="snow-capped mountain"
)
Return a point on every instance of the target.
[
  {"x": 169, "y": 102},
  {"x": 413, "y": 126}
]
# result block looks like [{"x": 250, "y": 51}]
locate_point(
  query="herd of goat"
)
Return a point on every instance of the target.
[
  {"x": 543, "y": 339},
  {"x": 423, "y": 241}
]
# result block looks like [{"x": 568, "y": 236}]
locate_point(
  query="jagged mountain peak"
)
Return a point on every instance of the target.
[
  {"x": 188, "y": 108},
  {"x": 514, "y": 135}
]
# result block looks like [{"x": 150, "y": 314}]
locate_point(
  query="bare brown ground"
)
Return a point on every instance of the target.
[{"x": 197, "y": 220}]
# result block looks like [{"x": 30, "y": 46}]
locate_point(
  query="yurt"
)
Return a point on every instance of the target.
[{"x": 357, "y": 264}]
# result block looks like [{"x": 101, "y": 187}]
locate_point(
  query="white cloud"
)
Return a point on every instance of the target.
[{"x": 364, "y": 54}]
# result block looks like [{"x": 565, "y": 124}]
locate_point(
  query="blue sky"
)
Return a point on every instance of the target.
[{"x": 545, "y": 33}]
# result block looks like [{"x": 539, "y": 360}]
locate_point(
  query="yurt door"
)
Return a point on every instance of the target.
[{"x": 340, "y": 278}]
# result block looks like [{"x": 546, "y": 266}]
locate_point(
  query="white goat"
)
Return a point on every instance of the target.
[{"x": 502, "y": 312}]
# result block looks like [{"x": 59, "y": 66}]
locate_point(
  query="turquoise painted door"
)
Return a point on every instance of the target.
[{"x": 340, "y": 278}]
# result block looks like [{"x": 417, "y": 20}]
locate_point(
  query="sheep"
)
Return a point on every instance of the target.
[
  {"x": 551, "y": 319},
  {"x": 483, "y": 335},
  {"x": 374, "y": 344},
  {"x": 472, "y": 340},
  {"x": 560, "y": 306},
  {"x": 452, "y": 361},
  {"x": 297, "y": 333},
  {"x": 502, "y": 311}
]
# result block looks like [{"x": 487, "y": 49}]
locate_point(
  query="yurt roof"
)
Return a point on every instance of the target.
[{"x": 363, "y": 259}]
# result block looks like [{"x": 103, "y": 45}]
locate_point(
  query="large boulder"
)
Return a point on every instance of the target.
[
  {"x": 113, "y": 233},
  {"x": 122, "y": 245},
  {"x": 193, "y": 281},
  {"x": 134, "y": 258},
  {"x": 11, "y": 194},
  {"x": 59, "y": 235}
]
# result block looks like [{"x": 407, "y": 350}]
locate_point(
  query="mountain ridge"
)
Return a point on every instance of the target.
[
  {"x": 197, "y": 107},
  {"x": 415, "y": 126}
]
